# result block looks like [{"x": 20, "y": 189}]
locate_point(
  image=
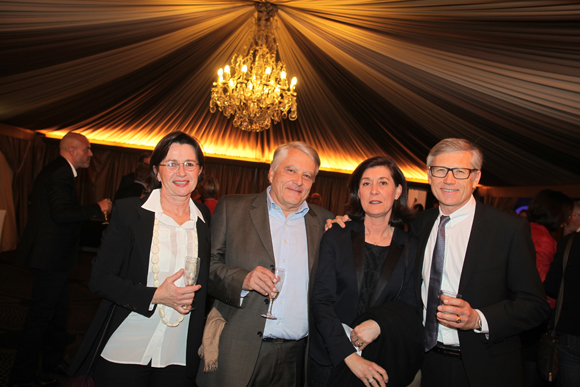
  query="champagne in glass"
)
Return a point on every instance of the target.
[
  {"x": 191, "y": 272},
  {"x": 106, "y": 218},
  {"x": 280, "y": 274}
]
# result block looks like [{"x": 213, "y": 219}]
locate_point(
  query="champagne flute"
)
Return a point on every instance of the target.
[
  {"x": 191, "y": 272},
  {"x": 280, "y": 274},
  {"x": 106, "y": 218}
]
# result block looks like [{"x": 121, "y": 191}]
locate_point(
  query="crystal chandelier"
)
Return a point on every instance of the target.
[{"x": 254, "y": 88}]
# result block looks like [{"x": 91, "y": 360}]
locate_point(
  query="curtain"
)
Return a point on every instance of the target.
[{"x": 374, "y": 78}]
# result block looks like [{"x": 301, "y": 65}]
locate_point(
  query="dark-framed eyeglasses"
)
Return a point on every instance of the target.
[
  {"x": 173, "y": 166},
  {"x": 458, "y": 173}
]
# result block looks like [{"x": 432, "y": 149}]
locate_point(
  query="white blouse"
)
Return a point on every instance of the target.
[{"x": 140, "y": 339}]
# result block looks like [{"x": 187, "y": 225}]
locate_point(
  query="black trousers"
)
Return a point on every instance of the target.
[
  {"x": 44, "y": 332},
  {"x": 443, "y": 370},
  {"x": 108, "y": 374}
]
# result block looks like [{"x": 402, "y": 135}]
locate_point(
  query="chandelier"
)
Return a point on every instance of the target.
[{"x": 254, "y": 88}]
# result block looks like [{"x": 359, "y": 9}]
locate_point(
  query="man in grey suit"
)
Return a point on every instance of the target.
[{"x": 251, "y": 234}]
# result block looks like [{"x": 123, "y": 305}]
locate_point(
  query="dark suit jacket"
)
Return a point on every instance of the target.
[
  {"x": 499, "y": 277},
  {"x": 119, "y": 275},
  {"x": 338, "y": 280},
  {"x": 570, "y": 316},
  {"x": 51, "y": 238},
  {"x": 241, "y": 241},
  {"x": 133, "y": 190}
]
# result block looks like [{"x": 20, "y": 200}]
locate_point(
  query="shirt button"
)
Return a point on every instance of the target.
[
  {"x": 283, "y": 260},
  {"x": 278, "y": 323},
  {"x": 285, "y": 241}
]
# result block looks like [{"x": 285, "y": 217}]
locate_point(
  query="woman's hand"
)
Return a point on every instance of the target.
[
  {"x": 365, "y": 333},
  {"x": 371, "y": 374},
  {"x": 340, "y": 219},
  {"x": 176, "y": 297}
]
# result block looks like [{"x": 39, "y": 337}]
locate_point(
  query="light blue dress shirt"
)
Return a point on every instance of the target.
[{"x": 291, "y": 253}]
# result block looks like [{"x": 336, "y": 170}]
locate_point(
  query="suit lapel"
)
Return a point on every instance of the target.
[
  {"x": 423, "y": 239},
  {"x": 143, "y": 234},
  {"x": 387, "y": 270},
  {"x": 261, "y": 220},
  {"x": 358, "y": 252},
  {"x": 474, "y": 246},
  {"x": 313, "y": 228}
]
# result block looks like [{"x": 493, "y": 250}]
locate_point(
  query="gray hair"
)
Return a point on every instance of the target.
[
  {"x": 457, "y": 145},
  {"x": 282, "y": 151}
]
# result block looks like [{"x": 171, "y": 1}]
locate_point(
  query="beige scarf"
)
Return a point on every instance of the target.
[{"x": 209, "y": 349}]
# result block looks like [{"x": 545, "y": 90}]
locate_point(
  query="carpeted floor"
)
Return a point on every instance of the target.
[{"x": 15, "y": 289}]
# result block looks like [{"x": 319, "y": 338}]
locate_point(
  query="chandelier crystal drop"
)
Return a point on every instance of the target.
[{"x": 254, "y": 88}]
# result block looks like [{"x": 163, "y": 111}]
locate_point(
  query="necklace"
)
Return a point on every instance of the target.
[
  {"x": 155, "y": 270},
  {"x": 380, "y": 240}
]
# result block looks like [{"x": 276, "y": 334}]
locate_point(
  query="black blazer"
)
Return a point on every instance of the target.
[
  {"x": 499, "y": 277},
  {"x": 338, "y": 279},
  {"x": 51, "y": 238},
  {"x": 570, "y": 316},
  {"x": 119, "y": 275}
]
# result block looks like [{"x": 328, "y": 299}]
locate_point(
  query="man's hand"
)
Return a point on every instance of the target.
[
  {"x": 365, "y": 333},
  {"x": 106, "y": 205},
  {"x": 176, "y": 297},
  {"x": 340, "y": 220},
  {"x": 260, "y": 280},
  {"x": 371, "y": 374},
  {"x": 457, "y": 313}
]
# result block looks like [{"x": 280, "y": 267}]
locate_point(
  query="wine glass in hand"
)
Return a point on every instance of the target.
[
  {"x": 279, "y": 273},
  {"x": 106, "y": 217},
  {"x": 191, "y": 272}
]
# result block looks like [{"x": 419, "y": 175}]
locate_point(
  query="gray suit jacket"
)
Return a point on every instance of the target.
[{"x": 241, "y": 241}]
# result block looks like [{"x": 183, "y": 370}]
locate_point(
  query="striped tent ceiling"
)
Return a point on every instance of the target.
[{"x": 374, "y": 77}]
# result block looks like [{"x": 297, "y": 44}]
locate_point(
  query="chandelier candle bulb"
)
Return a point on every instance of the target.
[{"x": 256, "y": 90}]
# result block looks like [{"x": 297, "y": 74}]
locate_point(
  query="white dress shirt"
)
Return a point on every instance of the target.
[
  {"x": 291, "y": 252},
  {"x": 457, "y": 233},
  {"x": 140, "y": 339}
]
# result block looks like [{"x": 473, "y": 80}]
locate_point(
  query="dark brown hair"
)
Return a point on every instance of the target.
[
  {"x": 162, "y": 148},
  {"x": 400, "y": 214}
]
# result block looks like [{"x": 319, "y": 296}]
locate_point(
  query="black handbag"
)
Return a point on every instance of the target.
[{"x": 547, "y": 355}]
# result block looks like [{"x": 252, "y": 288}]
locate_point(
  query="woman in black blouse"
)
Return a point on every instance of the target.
[{"x": 368, "y": 263}]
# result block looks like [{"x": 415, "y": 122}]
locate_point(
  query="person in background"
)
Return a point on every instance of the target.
[
  {"x": 251, "y": 234},
  {"x": 573, "y": 222},
  {"x": 315, "y": 199},
  {"x": 547, "y": 213},
  {"x": 50, "y": 246},
  {"x": 140, "y": 186},
  {"x": 129, "y": 178},
  {"x": 486, "y": 256},
  {"x": 523, "y": 214},
  {"x": 353, "y": 273},
  {"x": 418, "y": 207},
  {"x": 208, "y": 191},
  {"x": 568, "y": 327},
  {"x": 154, "y": 331}
]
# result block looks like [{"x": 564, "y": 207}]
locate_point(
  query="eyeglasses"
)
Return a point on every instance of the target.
[
  {"x": 575, "y": 215},
  {"x": 458, "y": 173},
  {"x": 173, "y": 166}
]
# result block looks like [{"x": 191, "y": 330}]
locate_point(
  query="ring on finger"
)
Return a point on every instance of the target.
[
  {"x": 458, "y": 321},
  {"x": 371, "y": 380}
]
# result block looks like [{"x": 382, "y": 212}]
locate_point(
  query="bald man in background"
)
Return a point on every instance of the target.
[{"x": 49, "y": 246}]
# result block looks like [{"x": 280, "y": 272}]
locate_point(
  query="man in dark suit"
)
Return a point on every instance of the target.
[
  {"x": 139, "y": 187},
  {"x": 129, "y": 178},
  {"x": 485, "y": 255},
  {"x": 250, "y": 235},
  {"x": 49, "y": 246}
]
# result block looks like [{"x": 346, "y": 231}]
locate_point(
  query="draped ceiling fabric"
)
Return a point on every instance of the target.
[{"x": 389, "y": 77}]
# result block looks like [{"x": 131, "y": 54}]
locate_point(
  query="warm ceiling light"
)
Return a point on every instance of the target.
[{"x": 254, "y": 87}]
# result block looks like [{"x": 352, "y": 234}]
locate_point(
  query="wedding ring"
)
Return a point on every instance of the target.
[
  {"x": 371, "y": 380},
  {"x": 358, "y": 344},
  {"x": 458, "y": 321}
]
